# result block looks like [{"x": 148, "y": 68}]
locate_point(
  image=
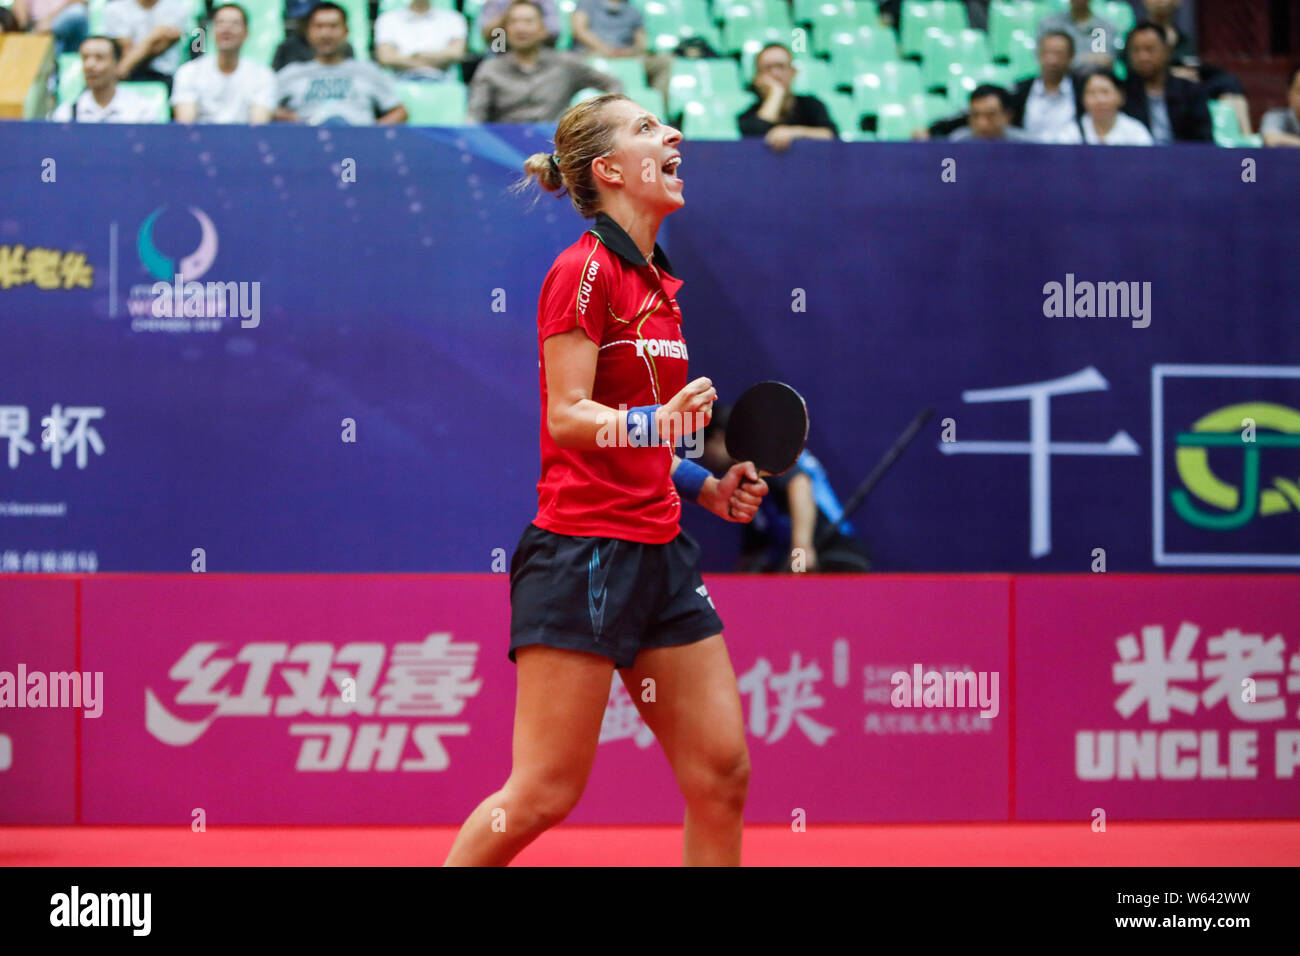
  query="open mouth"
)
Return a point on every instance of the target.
[{"x": 670, "y": 170}]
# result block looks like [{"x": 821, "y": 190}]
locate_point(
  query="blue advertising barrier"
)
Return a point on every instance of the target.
[{"x": 1108, "y": 337}]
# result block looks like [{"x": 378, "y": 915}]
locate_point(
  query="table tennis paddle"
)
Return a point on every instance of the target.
[{"x": 768, "y": 426}]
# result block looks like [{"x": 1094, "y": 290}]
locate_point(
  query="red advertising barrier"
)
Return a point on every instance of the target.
[
  {"x": 389, "y": 699},
  {"x": 1157, "y": 697}
]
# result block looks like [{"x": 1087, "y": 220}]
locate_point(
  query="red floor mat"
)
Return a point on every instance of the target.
[{"x": 1261, "y": 843}]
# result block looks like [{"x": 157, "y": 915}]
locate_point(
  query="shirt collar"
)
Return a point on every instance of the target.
[
  {"x": 1064, "y": 88},
  {"x": 611, "y": 234}
]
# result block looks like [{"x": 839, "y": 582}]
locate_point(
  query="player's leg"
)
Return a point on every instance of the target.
[
  {"x": 696, "y": 716},
  {"x": 559, "y": 706}
]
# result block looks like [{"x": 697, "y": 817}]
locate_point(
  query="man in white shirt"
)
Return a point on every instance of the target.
[
  {"x": 333, "y": 88},
  {"x": 102, "y": 101},
  {"x": 220, "y": 87},
  {"x": 419, "y": 42},
  {"x": 149, "y": 32},
  {"x": 1046, "y": 103}
]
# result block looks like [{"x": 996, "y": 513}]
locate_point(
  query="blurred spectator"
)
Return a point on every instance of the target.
[
  {"x": 421, "y": 43},
  {"x": 781, "y": 116},
  {"x": 1096, "y": 40},
  {"x": 989, "y": 118},
  {"x": 103, "y": 101},
  {"x": 8, "y": 22},
  {"x": 1170, "y": 107},
  {"x": 221, "y": 87},
  {"x": 1102, "y": 123},
  {"x": 615, "y": 28},
  {"x": 65, "y": 20},
  {"x": 492, "y": 16},
  {"x": 1045, "y": 104},
  {"x": 1281, "y": 126},
  {"x": 531, "y": 83},
  {"x": 332, "y": 88},
  {"x": 800, "y": 510},
  {"x": 1218, "y": 83},
  {"x": 294, "y": 48},
  {"x": 149, "y": 32}
]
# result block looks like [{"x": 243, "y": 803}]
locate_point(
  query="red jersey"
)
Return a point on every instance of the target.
[{"x": 603, "y": 285}]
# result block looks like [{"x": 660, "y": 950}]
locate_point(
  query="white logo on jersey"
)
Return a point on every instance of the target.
[
  {"x": 584, "y": 290},
  {"x": 672, "y": 348}
]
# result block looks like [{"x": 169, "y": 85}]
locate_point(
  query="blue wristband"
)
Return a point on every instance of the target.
[
  {"x": 641, "y": 430},
  {"x": 689, "y": 479}
]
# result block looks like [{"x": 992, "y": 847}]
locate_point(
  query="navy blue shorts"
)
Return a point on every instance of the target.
[{"x": 607, "y": 595}]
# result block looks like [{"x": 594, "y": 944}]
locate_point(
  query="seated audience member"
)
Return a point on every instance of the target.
[
  {"x": 492, "y": 23},
  {"x": 221, "y": 87},
  {"x": 780, "y": 116},
  {"x": 615, "y": 28},
  {"x": 1173, "y": 109},
  {"x": 150, "y": 33},
  {"x": 1219, "y": 84},
  {"x": 1103, "y": 123},
  {"x": 65, "y": 20},
  {"x": 1045, "y": 105},
  {"x": 1096, "y": 39},
  {"x": 421, "y": 42},
  {"x": 531, "y": 83},
  {"x": 103, "y": 101},
  {"x": 800, "y": 510},
  {"x": 294, "y": 48},
  {"x": 989, "y": 119},
  {"x": 1281, "y": 126},
  {"x": 332, "y": 88}
]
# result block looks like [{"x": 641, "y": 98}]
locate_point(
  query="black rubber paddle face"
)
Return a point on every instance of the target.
[{"x": 768, "y": 426}]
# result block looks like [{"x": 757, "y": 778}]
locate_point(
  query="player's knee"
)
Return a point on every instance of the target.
[
  {"x": 719, "y": 781},
  {"x": 545, "y": 802}
]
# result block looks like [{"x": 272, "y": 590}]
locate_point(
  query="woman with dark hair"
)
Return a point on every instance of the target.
[
  {"x": 1103, "y": 122},
  {"x": 604, "y": 577}
]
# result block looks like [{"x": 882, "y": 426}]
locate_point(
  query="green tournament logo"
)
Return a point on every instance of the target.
[{"x": 1249, "y": 428}]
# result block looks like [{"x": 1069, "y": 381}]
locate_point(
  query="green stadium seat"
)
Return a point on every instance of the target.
[
  {"x": 1007, "y": 16},
  {"x": 698, "y": 79},
  {"x": 434, "y": 104},
  {"x": 715, "y": 118},
  {"x": 71, "y": 79},
  {"x": 652, "y": 100},
  {"x": 264, "y": 37},
  {"x": 919, "y": 15},
  {"x": 888, "y": 82},
  {"x": 262, "y": 10},
  {"x": 627, "y": 70},
  {"x": 938, "y": 54},
  {"x": 812, "y": 76},
  {"x": 1227, "y": 130},
  {"x": 1023, "y": 61},
  {"x": 896, "y": 121},
  {"x": 844, "y": 111},
  {"x": 964, "y": 84},
  {"x": 386, "y": 5},
  {"x": 853, "y": 52},
  {"x": 154, "y": 93},
  {"x": 95, "y": 16},
  {"x": 830, "y": 16},
  {"x": 1117, "y": 12}
]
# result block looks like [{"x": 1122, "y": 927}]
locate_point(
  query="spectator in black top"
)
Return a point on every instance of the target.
[
  {"x": 780, "y": 116},
  {"x": 1173, "y": 109},
  {"x": 1219, "y": 84}
]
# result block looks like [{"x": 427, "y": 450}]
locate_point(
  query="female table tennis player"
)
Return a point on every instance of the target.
[{"x": 604, "y": 577}]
